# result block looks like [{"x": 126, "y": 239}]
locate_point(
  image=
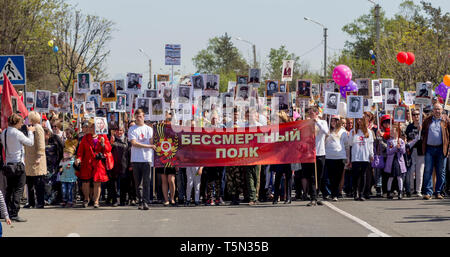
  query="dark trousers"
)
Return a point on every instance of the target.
[
  {"x": 36, "y": 186},
  {"x": 127, "y": 187},
  {"x": 308, "y": 172},
  {"x": 335, "y": 170},
  {"x": 14, "y": 191},
  {"x": 143, "y": 181},
  {"x": 369, "y": 179},
  {"x": 359, "y": 177},
  {"x": 112, "y": 187},
  {"x": 287, "y": 184},
  {"x": 298, "y": 184},
  {"x": 262, "y": 191}
]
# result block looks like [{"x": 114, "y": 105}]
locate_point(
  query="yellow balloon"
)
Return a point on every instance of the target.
[
  {"x": 50, "y": 43},
  {"x": 447, "y": 80}
]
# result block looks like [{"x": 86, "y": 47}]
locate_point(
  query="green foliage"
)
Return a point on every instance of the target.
[
  {"x": 420, "y": 29},
  {"x": 223, "y": 58}
]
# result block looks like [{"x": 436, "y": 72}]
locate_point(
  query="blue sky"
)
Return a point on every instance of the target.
[{"x": 149, "y": 24}]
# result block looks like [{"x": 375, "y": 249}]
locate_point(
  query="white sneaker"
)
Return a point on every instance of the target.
[
  {"x": 419, "y": 195},
  {"x": 335, "y": 199}
]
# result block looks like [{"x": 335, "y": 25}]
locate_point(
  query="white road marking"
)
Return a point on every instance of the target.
[
  {"x": 375, "y": 231},
  {"x": 73, "y": 235}
]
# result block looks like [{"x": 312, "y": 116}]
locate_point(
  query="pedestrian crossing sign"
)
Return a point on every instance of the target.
[{"x": 14, "y": 68}]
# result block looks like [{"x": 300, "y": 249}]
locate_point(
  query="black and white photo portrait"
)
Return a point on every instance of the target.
[
  {"x": 100, "y": 112},
  {"x": 184, "y": 94},
  {"x": 392, "y": 96},
  {"x": 167, "y": 94},
  {"x": 243, "y": 92},
  {"x": 108, "y": 89},
  {"x": 42, "y": 100},
  {"x": 355, "y": 106},
  {"x": 121, "y": 104},
  {"x": 283, "y": 88},
  {"x": 212, "y": 82},
  {"x": 120, "y": 84},
  {"x": 29, "y": 99},
  {"x": 423, "y": 93},
  {"x": 386, "y": 83},
  {"x": 363, "y": 86},
  {"x": 197, "y": 82},
  {"x": 332, "y": 102},
  {"x": 95, "y": 99},
  {"x": 283, "y": 100},
  {"x": 254, "y": 76},
  {"x": 134, "y": 82},
  {"x": 303, "y": 88},
  {"x": 241, "y": 80},
  {"x": 95, "y": 88},
  {"x": 271, "y": 87},
  {"x": 157, "y": 106},
  {"x": 144, "y": 104},
  {"x": 84, "y": 82},
  {"x": 151, "y": 93},
  {"x": 376, "y": 91}
]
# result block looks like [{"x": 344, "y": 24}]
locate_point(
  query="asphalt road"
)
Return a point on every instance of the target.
[{"x": 376, "y": 217}]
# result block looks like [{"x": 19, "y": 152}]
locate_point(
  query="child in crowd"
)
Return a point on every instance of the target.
[
  {"x": 193, "y": 175},
  {"x": 395, "y": 163},
  {"x": 4, "y": 212},
  {"x": 67, "y": 176}
]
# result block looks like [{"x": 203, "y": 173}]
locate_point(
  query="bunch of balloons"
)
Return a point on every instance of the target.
[
  {"x": 406, "y": 57},
  {"x": 51, "y": 44},
  {"x": 443, "y": 87},
  {"x": 372, "y": 55},
  {"x": 342, "y": 75},
  {"x": 350, "y": 87}
]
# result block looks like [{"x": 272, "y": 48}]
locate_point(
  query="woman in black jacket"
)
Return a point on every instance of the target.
[
  {"x": 121, "y": 174},
  {"x": 54, "y": 149}
]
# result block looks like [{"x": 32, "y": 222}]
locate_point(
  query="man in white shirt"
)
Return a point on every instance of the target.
[
  {"x": 321, "y": 130},
  {"x": 140, "y": 136}
]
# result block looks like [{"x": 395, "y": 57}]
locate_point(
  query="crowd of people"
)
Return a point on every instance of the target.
[{"x": 72, "y": 166}]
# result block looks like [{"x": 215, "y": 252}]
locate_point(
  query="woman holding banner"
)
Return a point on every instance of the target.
[
  {"x": 282, "y": 169},
  {"x": 91, "y": 153},
  {"x": 336, "y": 148},
  {"x": 361, "y": 141}
]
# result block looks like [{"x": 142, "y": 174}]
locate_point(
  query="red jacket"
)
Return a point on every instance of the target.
[{"x": 91, "y": 167}]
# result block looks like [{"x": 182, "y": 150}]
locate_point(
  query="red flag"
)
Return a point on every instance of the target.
[{"x": 8, "y": 91}]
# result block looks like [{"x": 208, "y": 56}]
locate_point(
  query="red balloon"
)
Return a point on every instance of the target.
[
  {"x": 402, "y": 57},
  {"x": 373, "y": 62},
  {"x": 373, "y": 72},
  {"x": 410, "y": 58}
]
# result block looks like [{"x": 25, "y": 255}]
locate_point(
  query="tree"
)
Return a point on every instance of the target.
[
  {"x": 223, "y": 58},
  {"x": 82, "y": 41},
  {"x": 275, "y": 65},
  {"x": 420, "y": 29},
  {"x": 26, "y": 29}
]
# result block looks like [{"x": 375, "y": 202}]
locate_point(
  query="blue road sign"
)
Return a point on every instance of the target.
[{"x": 14, "y": 68}]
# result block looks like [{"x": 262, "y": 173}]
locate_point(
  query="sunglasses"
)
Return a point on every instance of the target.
[{"x": 416, "y": 114}]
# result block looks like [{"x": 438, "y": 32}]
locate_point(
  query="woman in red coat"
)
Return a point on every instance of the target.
[{"x": 91, "y": 154}]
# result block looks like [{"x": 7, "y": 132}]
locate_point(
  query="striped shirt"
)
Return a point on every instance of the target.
[{"x": 3, "y": 208}]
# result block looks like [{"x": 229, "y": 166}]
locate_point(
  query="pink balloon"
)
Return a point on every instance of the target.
[{"x": 342, "y": 75}]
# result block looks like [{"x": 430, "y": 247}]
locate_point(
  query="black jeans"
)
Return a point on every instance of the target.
[
  {"x": 112, "y": 186},
  {"x": 335, "y": 169},
  {"x": 308, "y": 172},
  {"x": 36, "y": 186},
  {"x": 14, "y": 191},
  {"x": 359, "y": 177},
  {"x": 287, "y": 184},
  {"x": 127, "y": 187},
  {"x": 143, "y": 181}
]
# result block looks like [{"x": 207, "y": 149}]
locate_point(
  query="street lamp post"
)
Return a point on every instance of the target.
[
  {"x": 254, "y": 49},
  {"x": 150, "y": 68},
  {"x": 377, "y": 22},
  {"x": 325, "y": 35}
]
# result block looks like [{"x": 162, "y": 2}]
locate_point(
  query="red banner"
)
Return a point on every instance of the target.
[{"x": 276, "y": 144}]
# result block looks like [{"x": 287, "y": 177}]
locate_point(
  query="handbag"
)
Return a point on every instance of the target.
[
  {"x": 109, "y": 160},
  {"x": 8, "y": 169},
  {"x": 378, "y": 159}
]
